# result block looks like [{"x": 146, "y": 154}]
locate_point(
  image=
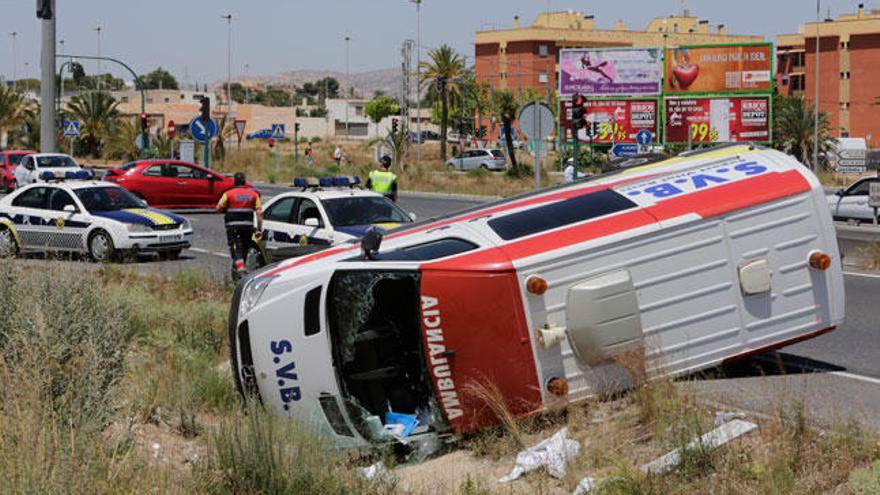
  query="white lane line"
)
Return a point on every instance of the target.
[
  {"x": 205, "y": 251},
  {"x": 857, "y": 274},
  {"x": 853, "y": 376}
]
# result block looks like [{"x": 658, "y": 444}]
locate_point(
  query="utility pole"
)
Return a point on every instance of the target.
[
  {"x": 816, "y": 116},
  {"x": 228, "y": 18},
  {"x": 418, "y": 80},
  {"x": 47, "y": 74},
  {"x": 14, "y": 61},
  {"x": 348, "y": 79},
  {"x": 98, "y": 73},
  {"x": 247, "y": 89}
]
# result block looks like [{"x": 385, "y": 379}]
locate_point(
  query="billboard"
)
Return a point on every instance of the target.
[
  {"x": 613, "y": 121},
  {"x": 719, "y": 68},
  {"x": 610, "y": 72},
  {"x": 718, "y": 120}
]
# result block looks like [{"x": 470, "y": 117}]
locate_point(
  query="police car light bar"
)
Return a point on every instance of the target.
[
  {"x": 82, "y": 174},
  {"x": 339, "y": 181}
]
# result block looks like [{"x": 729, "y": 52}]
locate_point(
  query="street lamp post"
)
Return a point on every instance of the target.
[
  {"x": 98, "y": 30},
  {"x": 348, "y": 79},
  {"x": 418, "y": 80},
  {"x": 228, "y": 18},
  {"x": 14, "y": 60},
  {"x": 816, "y": 103},
  {"x": 247, "y": 89}
]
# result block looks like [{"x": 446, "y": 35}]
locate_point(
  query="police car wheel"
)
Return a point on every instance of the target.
[
  {"x": 8, "y": 246},
  {"x": 173, "y": 254},
  {"x": 101, "y": 247}
]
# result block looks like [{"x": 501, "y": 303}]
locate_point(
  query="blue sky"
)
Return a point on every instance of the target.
[{"x": 189, "y": 36}]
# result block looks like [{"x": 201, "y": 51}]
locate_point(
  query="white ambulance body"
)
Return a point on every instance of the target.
[{"x": 685, "y": 263}]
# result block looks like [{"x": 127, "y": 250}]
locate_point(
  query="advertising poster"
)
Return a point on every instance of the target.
[
  {"x": 718, "y": 120},
  {"x": 719, "y": 69},
  {"x": 610, "y": 72},
  {"x": 613, "y": 121}
]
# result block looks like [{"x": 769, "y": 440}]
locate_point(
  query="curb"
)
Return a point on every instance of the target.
[{"x": 461, "y": 197}]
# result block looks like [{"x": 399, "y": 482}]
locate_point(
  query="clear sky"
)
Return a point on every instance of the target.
[{"x": 188, "y": 37}]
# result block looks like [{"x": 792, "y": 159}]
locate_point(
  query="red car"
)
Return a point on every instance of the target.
[
  {"x": 8, "y": 161},
  {"x": 171, "y": 183}
]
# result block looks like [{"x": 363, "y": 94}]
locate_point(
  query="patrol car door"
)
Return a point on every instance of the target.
[
  {"x": 29, "y": 215},
  {"x": 69, "y": 220},
  {"x": 311, "y": 227},
  {"x": 278, "y": 231},
  {"x": 854, "y": 202}
]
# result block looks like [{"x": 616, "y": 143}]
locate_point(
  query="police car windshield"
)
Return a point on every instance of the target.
[
  {"x": 363, "y": 210},
  {"x": 55, "y": 162},
  {"x": 107, "y": 199}
]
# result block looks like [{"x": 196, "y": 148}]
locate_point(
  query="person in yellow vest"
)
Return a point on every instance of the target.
[{"x": 384, "y": 181}]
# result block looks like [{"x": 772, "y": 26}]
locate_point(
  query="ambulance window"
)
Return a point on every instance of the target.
[
  {"x": 559, "y": 214},
  {"x": 433, "y": 250}
]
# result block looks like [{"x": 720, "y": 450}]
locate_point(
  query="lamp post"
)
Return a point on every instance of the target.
[
  {"x": 247, "y": 89},
  {"x": 14, "y": 60},
  {"x": 98, "y": 30},
  {"x": 816, "y": 103},
  {"x": 348, "y": 79},
  {"x": 228, "y": 18},
  {"x": 418, "y": 80}
]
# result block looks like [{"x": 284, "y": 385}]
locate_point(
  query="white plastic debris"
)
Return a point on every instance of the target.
[
  {"x": 376, "y": 470},
  {"x": 722, "y": 417},
  {"x": 586, "y": 486},
  {"x": 553, "y": 453},
  {"x": 714, "y": 439},
  {"x": 157, "y": 450}
]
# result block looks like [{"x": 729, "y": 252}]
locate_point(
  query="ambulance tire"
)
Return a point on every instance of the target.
[
  {"x": 8, "y": 243},
  {"x": 101, "y": 248}
]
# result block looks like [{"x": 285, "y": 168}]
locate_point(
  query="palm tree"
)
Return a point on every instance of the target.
[
  {"x": 794, "y": 128},
  {"x": 445, "y": 70},
  {"x": 504, "y": 107},
  {"x": 97, "y": 111},
  {"x": 12, "y": 110},
  {"x": 121, "y": 143}
]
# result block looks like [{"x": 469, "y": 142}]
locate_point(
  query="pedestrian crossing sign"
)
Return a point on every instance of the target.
[
  {"x": 71, "y": 128},
  {"x": 278, "y": 131}
]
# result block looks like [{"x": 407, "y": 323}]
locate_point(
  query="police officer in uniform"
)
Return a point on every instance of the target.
[
  {"x": 384, "y": 181},
  {"x": 240, "y": 204}
]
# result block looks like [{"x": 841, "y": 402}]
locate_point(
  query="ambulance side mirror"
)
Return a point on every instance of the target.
[{"x": 371, "y": 242}]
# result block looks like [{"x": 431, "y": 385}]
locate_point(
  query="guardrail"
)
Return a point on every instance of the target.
[{"x": 857, "y": 233}]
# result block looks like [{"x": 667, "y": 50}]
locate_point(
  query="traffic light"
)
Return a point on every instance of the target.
[
  {"x": 44, "y": 9},
  {"x": 578, "y": 112},
  {"x": 145, "y": 123},
  {"x": 296, "y": 127},
  {"x": 78, "y": 72},
  {"x": 206, "y": 109},
  {"x": 393, "y": 126}
]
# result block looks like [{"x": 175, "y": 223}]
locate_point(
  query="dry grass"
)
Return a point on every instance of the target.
[{"x": 869, "y": 256}]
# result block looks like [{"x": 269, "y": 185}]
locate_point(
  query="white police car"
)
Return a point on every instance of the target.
[
  {"x": 35, "y": 167},
  {"x": 100, "y": 219},
  {"x": 325, "y": 212},
  {"x": 852, "y": 203}
]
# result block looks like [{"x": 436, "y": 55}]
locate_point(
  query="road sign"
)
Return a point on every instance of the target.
[
  {"x": 850, "y": 170},
  {"x": 278, "y": 131},
  {"x": 536, "y": 121},
  {"x": 71, "y": 128},
  {"x": 644, "y": 137},
  {"x": 874, "y": 195},
  {"x": 172, "y": 129},
  {"x": 625, "y": 149},
  {"x": 239, "y": 128},
  {"x": 187, "y": 150},
  {"x": 201, "y": 131}
]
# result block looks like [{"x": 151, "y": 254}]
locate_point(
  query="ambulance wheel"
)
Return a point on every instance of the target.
[
  {"x": 8, "y": 244},
  {"x": 101, "y": 247}
]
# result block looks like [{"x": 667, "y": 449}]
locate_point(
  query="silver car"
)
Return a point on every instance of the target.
[{"x": 488, "y": 159}]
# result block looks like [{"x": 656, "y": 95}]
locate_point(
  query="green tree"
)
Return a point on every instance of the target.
[
  {"x": 12, "y": 109},
  {"x": 794, "y": 128},
  {"x": 121, "y": 142},
  {"x": 159, "y": 79},
  {"x": 504, "y": 107},
  {"x": 97, "y": 112},
  {"x": 380, "y": 107},
  {"x": 445, "y": 70}
]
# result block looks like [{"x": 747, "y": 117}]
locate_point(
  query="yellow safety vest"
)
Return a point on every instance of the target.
[{"x": 381, "y": 181}]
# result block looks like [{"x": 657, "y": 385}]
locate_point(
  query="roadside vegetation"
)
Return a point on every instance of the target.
[{"x": 115, "y": 382}]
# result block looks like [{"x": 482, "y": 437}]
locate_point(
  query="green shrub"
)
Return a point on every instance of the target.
[{"x": 865, "y": 481}]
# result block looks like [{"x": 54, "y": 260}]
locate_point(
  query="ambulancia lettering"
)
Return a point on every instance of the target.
[
  {"x": 439, "y": 363},
  {"x": 285, "y": 373}
]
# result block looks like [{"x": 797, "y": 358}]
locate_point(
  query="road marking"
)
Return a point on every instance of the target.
[
  {"x": 853, "y": 376},
  {"x": 205, "y": 251},
  {"x": 857, "y": 274}
]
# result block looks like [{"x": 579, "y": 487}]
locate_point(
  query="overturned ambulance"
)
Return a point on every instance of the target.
[{"x": 686, "y": 263}]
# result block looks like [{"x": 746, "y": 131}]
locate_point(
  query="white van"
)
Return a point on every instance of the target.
[{"x": 685, "y": 263}]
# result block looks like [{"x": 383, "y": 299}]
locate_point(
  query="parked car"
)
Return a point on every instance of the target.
[
  {"x": 852, "y": 203},
  {"x": 37, "y": 166},
  {"x": 492, "y": 159},
  {"x": 9, "y": 160},
  {"x": 264, "y": 134},
  {"x": 171, "y": 183}
]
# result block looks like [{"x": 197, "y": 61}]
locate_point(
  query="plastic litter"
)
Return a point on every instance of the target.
[
  {"x": 376, "y": 470},
  {"x": 400, "y": 425},
  {"x": 722, "y": 417},
  {"x": 714, "y": 439},
  {"x": 586, "y": 486},
  {"x": 554, "y": 453}
]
